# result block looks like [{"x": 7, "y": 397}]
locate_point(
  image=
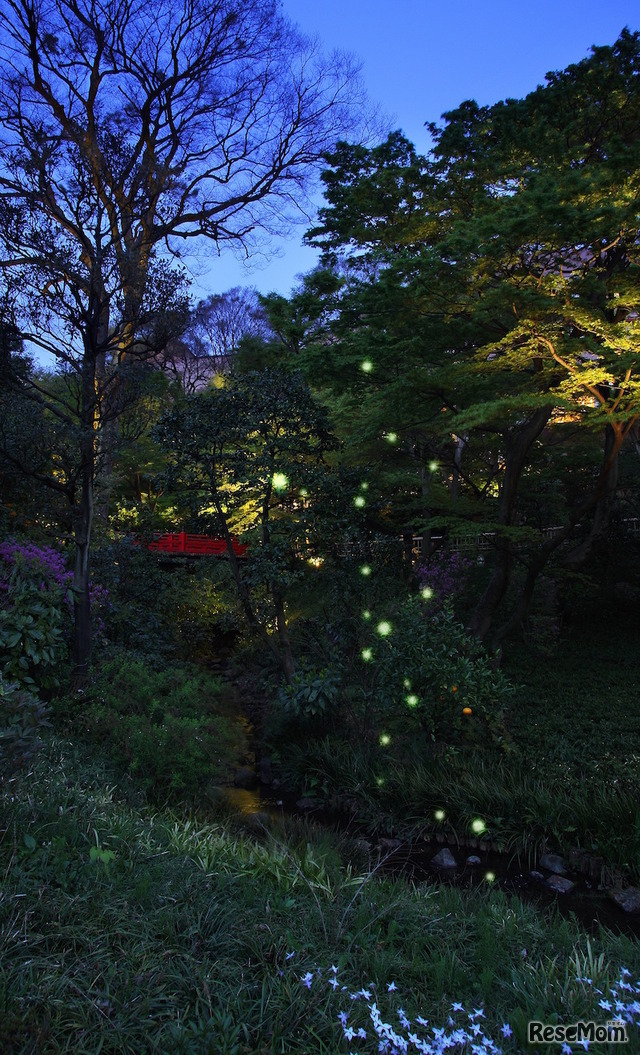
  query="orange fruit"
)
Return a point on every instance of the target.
[
  {"x": 467, "y": 710},
  {"x": 454, "y": 688}
]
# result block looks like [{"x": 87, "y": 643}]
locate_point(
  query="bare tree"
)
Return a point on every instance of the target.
[
  {"x": 126, "y": 130},
  {"x": 213, "y": 335}
]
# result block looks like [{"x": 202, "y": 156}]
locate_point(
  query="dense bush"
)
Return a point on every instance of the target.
[
  {"x": 419, "y": 680},
  {"x": 35, "y": 618},
  {"x": 398, "y": 675},
  {"x": 22, "y": 716},
  {"x": 163, "y": 612},
  {"x": 170, "y": 729}
]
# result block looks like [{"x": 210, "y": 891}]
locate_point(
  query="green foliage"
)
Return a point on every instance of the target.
[
  {"x": 34, "y": 624},
  {"x": 312, "y": 694},
  {"x": 243, "y": 455},
  {"x": 169, "y": 729},
  {"x": 479, "y": 340},
  {"x": 22, "y": 716},
  {"x": 405, "y": 674},
  {"x": 183, "y": 610}
]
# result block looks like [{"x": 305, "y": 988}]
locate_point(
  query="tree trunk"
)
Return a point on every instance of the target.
[
  {"x": 600, "y": 500},
  {"x": 602, "y": 512},
  {"x": 518, "y": 444},
  {"x": 83, "y": 523}
]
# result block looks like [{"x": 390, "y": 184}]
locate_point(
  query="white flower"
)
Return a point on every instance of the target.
[{"x": 391, "y": 987}]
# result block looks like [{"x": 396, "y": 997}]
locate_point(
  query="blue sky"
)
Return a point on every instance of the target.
[{"x": 423, "y": 57}]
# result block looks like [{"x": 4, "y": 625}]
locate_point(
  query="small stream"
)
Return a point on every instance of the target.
[{"x": 587, "y": 901}]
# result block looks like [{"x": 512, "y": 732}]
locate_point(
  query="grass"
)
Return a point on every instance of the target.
[{"x": 125, "y": 930}]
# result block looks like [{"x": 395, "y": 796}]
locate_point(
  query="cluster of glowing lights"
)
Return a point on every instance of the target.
[
  {"x": 426, "y": 593},
  {"x": 412, "y": 700},
  {"x": 359, "y": 502},
  {"x": 366, "y": 366},
  {"x": 364, "y": 486},
  {"x": 316, "y": 562},
  {"x": 478, "y": 826},
  {"x": 433, "y": 467},
  {"x": 380, "y": 781},
  {"x": 366, "y": 614},
  {"x": 490, "y": 877},
  {"x": 384, "y": 628},
  {"x": 440, "y": 815},
  {"x": 385, "y": 739},
  {"x": 303, "y": 492},
  {"x": 279, "y": 482},
  {"x": 391, "y": 437},
  {"x": 367, "y": 654},
  {"x": 365, "y": 570}
]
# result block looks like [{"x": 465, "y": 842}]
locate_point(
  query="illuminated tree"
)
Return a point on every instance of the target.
[
  {"x": 239, "y": 454},
  {"x": 485, "y": 314}
]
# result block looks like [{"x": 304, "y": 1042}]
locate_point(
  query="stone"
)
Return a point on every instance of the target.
[
  {"x": 444, "y": 859},
  {"x": 628, "y": 900},
  {"x": 534, "y": 874},
  {"x": 473, "y": 859},
  {"x": 307, "y": 804},
  {"x": 558, "y": 885},
  {"x": 553, "y": 863}
]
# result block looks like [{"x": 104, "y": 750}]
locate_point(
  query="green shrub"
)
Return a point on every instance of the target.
[
  {"x": 407, "y": 677},
  {"x": 182, "y": 611},
  {"x": 35, "y": 619},
  {"x": 22, "y": 715},
  {"x": 312, "y": 694},
  {"x": 168, "y": 728}
]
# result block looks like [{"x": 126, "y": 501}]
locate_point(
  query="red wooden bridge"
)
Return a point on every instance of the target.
[{"x": 195, "y": 545}]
